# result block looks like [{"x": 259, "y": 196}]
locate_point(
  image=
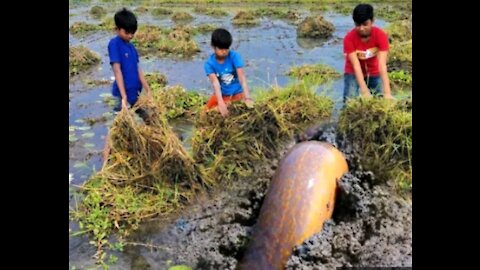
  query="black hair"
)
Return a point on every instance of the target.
[
  {"x": 221, "y": 38},
  {"x": 362, "y": 13},
  {"x": 125, "y": 19}
]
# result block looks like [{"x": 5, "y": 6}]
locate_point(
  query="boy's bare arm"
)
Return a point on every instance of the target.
[
  {"x": 117, "y": 72},
  {"x": 222, "y": 107},
  {"x": 382, "y": 65},
  {"x": 144, "y": 82},
  {"x": 358, "y": 74},
  {"x": 243, "y": 82},
  {"x": 246, "y": 90}
]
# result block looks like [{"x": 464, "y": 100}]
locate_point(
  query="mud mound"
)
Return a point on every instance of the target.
[
  {"x": 245, "y": 18},
  {"x": 315, "y": 27}
]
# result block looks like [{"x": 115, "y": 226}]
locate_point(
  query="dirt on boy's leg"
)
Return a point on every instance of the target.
[{"x": 106, "y": 150}]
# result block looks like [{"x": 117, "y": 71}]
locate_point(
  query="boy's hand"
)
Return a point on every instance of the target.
[
  {"x": 365, "y": 92},
  {"x": 124, "y": 104},
  {"x": 148, "y": 90},
  {"x": 222, "y": 108},
  {"x": 248, "y": 102},
  {"x": 388, "y": 96}
]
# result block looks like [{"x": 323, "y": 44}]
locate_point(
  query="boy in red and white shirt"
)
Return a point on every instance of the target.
[{"x": 365, "y": 48}]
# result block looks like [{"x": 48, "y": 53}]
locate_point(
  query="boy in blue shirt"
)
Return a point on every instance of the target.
[
  {"x": 129, "y": 78},
  {"x": 224, "y": 68}
]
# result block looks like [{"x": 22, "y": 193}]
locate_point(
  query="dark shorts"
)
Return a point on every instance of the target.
[{"x": 141, "y": 112}]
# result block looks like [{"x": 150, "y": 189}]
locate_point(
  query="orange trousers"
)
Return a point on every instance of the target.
[{"x": 213, "y": 102}]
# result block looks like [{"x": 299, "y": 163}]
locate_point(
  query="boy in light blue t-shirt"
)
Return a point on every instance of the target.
[{"x": 224, "y": 68}]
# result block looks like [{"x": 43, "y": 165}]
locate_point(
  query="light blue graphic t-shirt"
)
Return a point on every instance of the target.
[{"x": 226, "y": 72}]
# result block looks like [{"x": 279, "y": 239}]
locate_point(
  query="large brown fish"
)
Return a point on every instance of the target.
[{"x": 300, "y": 199}]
